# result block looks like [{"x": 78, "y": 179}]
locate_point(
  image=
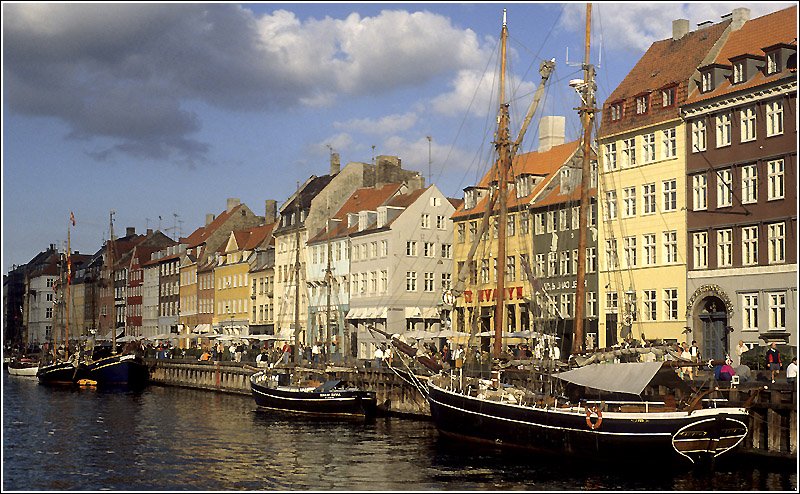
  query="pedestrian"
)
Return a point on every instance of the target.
[
  {"x": 378, "y": 357},
  {"x": 791, "y": 371},
  {"x": 458, "y": 356},
  {"x": 694, "y": 351},
  {"x": 315, "y": 353},
  {"x": 773, "y": 360},
  {"x": 286, "y": 350},
  {"x": 740, "y": 349},
  {"x": 686, "y": 355}
]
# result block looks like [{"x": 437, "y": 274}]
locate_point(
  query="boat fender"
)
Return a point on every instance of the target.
[{"x": 596, "y": 411}]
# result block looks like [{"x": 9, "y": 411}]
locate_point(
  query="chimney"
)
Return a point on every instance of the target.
[
  {"x": 131, "y": 230},
  {"x": 703, "y": 25},
  {"x": 336, "y": 165},
  {"x": 270, "y": 210},
  {"x": 740, "y": 16},
  {"x": 680, "y": 28},
  {"x": 149, "y": 231},
  {"x": 209, "y": 218},
  {"x": 232, "y": 203},
  {"x": 551, "y": 132}
]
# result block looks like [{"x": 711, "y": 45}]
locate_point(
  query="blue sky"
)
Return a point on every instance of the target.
[{"x": 157, "y": 110}]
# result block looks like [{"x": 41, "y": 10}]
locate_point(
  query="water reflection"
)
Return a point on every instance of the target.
[{"x": 165, "y": 438}]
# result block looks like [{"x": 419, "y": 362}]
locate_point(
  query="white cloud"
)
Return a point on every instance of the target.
[
  {"x": 380, "y": 126},
  {"x": 472, "y": 92}
]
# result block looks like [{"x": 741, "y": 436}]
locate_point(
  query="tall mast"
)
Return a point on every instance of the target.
[
  {"x": 66, "y": 301},
  {"x": 111, "y": 280},
  {"x": 502, "y": 145},
  {"x": 297, "y": 280},
  {"x": 328, "y": 281},
  {"x": 587, "y": 111}
]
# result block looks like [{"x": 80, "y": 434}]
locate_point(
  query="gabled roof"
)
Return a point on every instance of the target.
[
  {"x": 756, "y": 34},
  {"x": 543, "y": 164},
  {"x": 201, "y": 234},
  {"x": 258, "y": 235}
]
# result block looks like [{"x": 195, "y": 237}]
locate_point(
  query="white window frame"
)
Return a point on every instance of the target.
[
  {"x": 670, "y": 247},
  {"x": 629, "y": 202},
  {"x": 671, "y": 304},
  {"x": 610, "y": 157},
  {"x": 777, "y": 311},
  {"x": 738, "y": 72},
  {"x": 750, "y": 312},
  {"x": 611, "y": 205},
  {"x": 749, "y": 184},
  {"x": 750, "y": 245},
  {"x": 699, "y": 192},
  {"x": 649, "y": 249},
  {"x": 775, "y": 179},
  {"x": 649, "y": 147},
  {"x": 630, "y": 250},
  {"x": 649, "y": 198},
  {"x": 725, "y": 248},
  {"x": 669, "y": 143},
  {"x": 650, "y": 305},
  {"x": 629, "y": 152},
  {"x": 723, "y": 130},
  {"x": 747, "y": 127},
  {"x": 670, "y": 195},
  {"x": 776, "y": 243},
  {"x": 774, "y": 111},
  {"x": 700, "y": 246},
  {"x": 724, "y": 188},
  {"x": 699, "y": 136}
]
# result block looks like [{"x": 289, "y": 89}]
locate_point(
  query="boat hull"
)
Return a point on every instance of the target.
[
  {"x": 118, "y": 370},
  {"x": 17, "y": 369},
  {"x": 673, "y": 436},
  {"x": 61, "y": 373},
  {"x": 294, "y": 399}
]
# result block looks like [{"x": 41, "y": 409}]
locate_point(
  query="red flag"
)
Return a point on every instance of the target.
[{"x": 72, "y": 218}]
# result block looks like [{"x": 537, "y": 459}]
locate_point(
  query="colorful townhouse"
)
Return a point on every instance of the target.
[
  {"x": 642, "y": 187},
  {"x": 741, "y": 190}
]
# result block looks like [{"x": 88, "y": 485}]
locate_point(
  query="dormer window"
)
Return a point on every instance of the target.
[
  {"x": 668, "y": 96},
  {"x": 641, "y": 104},
  {"x": 706, "y": 83},
  {"x": 738, "y": 73},
  {"x": 616, "y": 111},
  {"x": 773, "y": 63}
]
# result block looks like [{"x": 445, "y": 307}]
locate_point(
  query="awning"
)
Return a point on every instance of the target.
[
  {"x": 354, "y": 314},
  {"x": 202, "y": 329},
  {"x": 627, "y": 377}
]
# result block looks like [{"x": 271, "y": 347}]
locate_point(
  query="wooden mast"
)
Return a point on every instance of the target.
[
  {"x": 111, "y": 283},
  {"x": 297, "y": 279},
  {"x": 503, "y": 162},
  {"x": 587, "y": 111},
  {"x": 66, "y": 301},
  {"x": 328, "y": 282}
]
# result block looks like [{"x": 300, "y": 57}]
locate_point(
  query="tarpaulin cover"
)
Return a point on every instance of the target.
[{"x": 630, "y": 377}]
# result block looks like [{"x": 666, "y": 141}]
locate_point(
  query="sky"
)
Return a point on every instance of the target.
[{"x": 162, "y": 111}]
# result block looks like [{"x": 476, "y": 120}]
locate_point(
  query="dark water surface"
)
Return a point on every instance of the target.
[{"x": 174, "y": 439}]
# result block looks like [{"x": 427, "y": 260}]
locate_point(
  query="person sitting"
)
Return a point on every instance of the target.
[{"x": 205, "y": 357}]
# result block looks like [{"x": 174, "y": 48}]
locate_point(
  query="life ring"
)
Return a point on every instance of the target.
[{"x": 596, "y": 411}]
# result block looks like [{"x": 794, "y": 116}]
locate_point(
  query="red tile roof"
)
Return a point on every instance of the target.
[
  {"x": 364, "y": 199},
  {"x": 756, "y": 34},
  {"x": 201, "y": 234}
]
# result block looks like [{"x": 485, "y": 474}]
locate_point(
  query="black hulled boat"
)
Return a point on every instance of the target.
[{"x": 118, "y": 370}]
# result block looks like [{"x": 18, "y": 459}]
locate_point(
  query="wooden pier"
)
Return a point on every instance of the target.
[{"x": 773, "y": 417}]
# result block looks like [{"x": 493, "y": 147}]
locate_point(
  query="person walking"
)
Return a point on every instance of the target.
[
  {"x": 378, "y": 357},
  {"x": 458, "y": 356},
  {"x": 773, "y": 360}
]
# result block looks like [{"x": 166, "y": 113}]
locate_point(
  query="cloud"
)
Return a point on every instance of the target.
[
  {"x": 129, "y": 72},
  {"x": 472, "y": 92},
  {"x": 389, "y": 124}
]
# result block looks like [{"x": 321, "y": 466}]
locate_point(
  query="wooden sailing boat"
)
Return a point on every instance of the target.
[
  {"x": 63, "y": 370},
  {"x": 119, "y": 369},
  {"x": 600, "y": 410},
  {"x": 286, "y": 391}
]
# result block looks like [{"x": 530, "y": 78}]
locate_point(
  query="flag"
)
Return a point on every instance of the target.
[{"x": 72, "y": 218}]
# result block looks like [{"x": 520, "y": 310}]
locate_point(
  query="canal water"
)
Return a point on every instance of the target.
[{"x": 173, "y": 439}]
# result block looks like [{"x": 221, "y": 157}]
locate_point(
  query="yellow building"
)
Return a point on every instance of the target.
[
  {"x": 188, "y": 315},
  {"x": 641, "y": 192}
]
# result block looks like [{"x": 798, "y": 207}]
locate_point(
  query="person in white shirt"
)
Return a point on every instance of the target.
[
  {"x": 791, "y": 371},
  {"x": 740, "y": 349},
  {"x": 378, "y": 357}
]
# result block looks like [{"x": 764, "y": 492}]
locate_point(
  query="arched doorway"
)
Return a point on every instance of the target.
[{"x": 713, "y": 318}]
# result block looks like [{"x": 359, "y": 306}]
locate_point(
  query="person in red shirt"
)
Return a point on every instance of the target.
[{"x": 773, "y": 360}]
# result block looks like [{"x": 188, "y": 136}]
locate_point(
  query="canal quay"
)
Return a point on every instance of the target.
[{"x": 193, "y": 431}]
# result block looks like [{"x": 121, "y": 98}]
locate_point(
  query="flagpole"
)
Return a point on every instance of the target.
[{"x": 69, "y": 276}]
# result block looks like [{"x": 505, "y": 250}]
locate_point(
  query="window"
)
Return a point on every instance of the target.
[
  {"x": 564, "y": 262},
  {"x": 562, "y": 220},
  {"x": 610, "y": 157},
  {"x": 446, "y": 281},
  {"x": 591, "y": 304},
  {"x": 567, "y": 301},
  {"x": 773, "y": 63},
  {"x": 511, "y": 225},
  {"x": 668, "y": 96},
  {"x": 671, "y": 304},
  {"x": 574, "y": 258},
  {"x": 373, "y": 250},
  {"x": 485, "y": 271},
  {"x": 428, "y": 249},
  {"x": 649, "y": 147},
  {"x": 706, "y": 83},
  {"x": 698, "y": 136},
  {"x": 641, "y": 104},
  {"x": 649, "y": 246},
  {"x": 384, "y": 281},
  {"x": 461, "y": 230},
  {"x": 750, "y": 312},
  {"x": 511, "y": 268},
  {"x": 611, "y": 205},
  {"x": 373, "y": 282},
  {"x": 670, "y": 194},
  {"x": 723, "y": 130},
  {"x": 616, "y": 112},
  {"x": 540, "y": 266},
  {"x": 629, "y": 244},
  {"x": 750, "y": 245},
  {"x": 724, "y": 188},
  {"x": 524, "y": 223},
  {"x": 551, "y": 221},
  {"x": 670, "y": 247},
  {"x": 425, "y": 221},
  {"x": 774, "y": 118},
  {"x": 749, "y": 184},
  {"x": 611, "y": 255},
  {"x": 612, "y": 302},
  {"x": 776, "y": 252},
  {"x": 775, "y": 180},
  {"x": 473, "y": 230},
  {"x": 538, "y": 223},
  {"x": 552, "y": 264},
  {"x": 447, "y": 251},
  {"x": 428, "y": 282},
  {"x": 700, "y": 243},
  {"x": 591, "y": 259},
  {"x": 748, "y": 124},
  {"x": 576, "y": 217},
  {"x": 650, "y": 307},
  {"x": 385, "y": 248},
  {"x": 669, "y": 144},
  {"x": 629, "y": 202},
  {"x": 441, "y": 223},
  {"x": 724, "y": 248},
  {"x": 411, "y": 281},
  {"x": 699, "y": 192},
  {"x": 411, "y": 248},
  {"x": 738, "y": 73},
  {"x": 777, "y": 311},
  {"x": 628, "y": 152}
]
